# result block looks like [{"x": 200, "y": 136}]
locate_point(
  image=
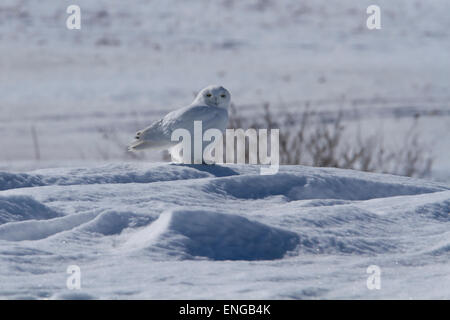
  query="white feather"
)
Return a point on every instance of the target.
[{"x": 210, "y": 106}]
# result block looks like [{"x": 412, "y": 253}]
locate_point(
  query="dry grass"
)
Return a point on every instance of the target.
[{"x": 312, "y": 140}]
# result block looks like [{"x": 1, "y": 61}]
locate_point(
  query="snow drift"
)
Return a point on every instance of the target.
[
  {"x": 195, "y": 231},
  {"x": 217, "y": 236}
]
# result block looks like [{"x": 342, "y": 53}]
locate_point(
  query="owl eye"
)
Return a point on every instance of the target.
[
  {"x": 209, "y": 95},
  {"x": 223, "y": 95}
]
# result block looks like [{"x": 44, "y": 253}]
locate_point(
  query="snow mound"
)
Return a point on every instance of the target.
[
  {"x": 144, "y": 231},
  {"x": 344, "y": 245},
  {"x": 432, "y": 206},
  {"x": 113, "y": 222},
  {"x": 18, "y": 180},
  {"x": 41, "y": 229},
  {"x": 294, "y": 186},
  {"x": 104, "y": 223},
  {"x": 19, "y": 208},
  {"x": 217, "y": 236},
  {"x": 108, "y": 174},
  {"x": 438, "y": 211}
]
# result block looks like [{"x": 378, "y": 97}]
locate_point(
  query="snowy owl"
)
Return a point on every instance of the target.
[{"x": 210, "y": 106}]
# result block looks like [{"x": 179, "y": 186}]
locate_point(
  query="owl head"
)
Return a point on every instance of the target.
[{"x": 214, "y": 96}]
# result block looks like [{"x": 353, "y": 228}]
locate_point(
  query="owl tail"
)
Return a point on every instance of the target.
[{"x": 139, "y": 145}]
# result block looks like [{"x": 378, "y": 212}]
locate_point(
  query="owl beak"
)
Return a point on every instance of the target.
[{"x": 216, "y": 101}]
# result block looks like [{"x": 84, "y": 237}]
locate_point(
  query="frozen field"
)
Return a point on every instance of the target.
[
  {"x": 70, "y": 101},
  {"x": 208, "y": 232},
  {"x": 132, "y": 62}
]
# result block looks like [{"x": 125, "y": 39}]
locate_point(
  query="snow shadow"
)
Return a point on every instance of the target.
[
  {"x": 299, "y": 187},
  {"x": 215, "y": 169},
  {"x": 108, "y": 174},
  {"x": 20, "y": 208},
  {"x": 216, "y": 236}
]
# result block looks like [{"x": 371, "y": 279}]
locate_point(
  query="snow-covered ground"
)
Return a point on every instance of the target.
[
  {"x": 134, "y": 61},
  {"x": 70, "y": 99},
  {"x": 224, "y": 231}
]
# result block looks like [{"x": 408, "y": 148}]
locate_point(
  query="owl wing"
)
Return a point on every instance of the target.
[
  {"x": 159, "y": 133},
  {"x": 211, "y": 117}
]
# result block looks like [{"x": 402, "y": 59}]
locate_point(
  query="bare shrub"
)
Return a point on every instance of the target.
[{"x": 313, "y": 139}]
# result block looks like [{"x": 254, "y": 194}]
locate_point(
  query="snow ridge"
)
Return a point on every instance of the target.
[{"x": 168, "y": 225}]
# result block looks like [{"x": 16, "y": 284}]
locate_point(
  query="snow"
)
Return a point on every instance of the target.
[
  {"x": 216, "y": 236},
  {"x": 18, "y": 208},
  {"x": 132, "y": 63},
  {"x": 162, "y": 231}
]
